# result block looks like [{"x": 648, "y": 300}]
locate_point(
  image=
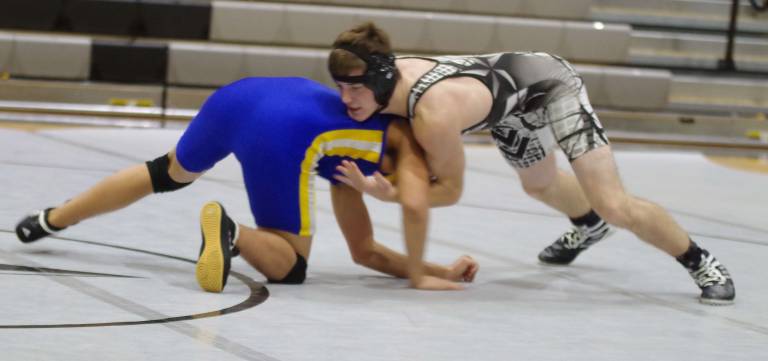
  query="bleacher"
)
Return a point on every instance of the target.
[{"x": 649, "y": 65}]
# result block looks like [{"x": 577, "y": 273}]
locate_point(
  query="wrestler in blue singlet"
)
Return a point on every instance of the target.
[{"x": 283, "y": 131}]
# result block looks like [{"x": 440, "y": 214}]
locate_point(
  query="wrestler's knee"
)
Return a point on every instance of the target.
[
  {"x": 615, "y": 210},
  {"x": 160, "y": 175},
  {"x": 539, "y": 178},
  {"x": 296, "y": 275},
  {"x": 536, "y": 189}
]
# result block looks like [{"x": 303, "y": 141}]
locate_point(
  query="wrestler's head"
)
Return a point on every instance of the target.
[{"x": 363, "y": 67}]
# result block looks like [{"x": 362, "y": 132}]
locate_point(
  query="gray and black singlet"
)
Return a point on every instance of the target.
[{"x": 539, "y": 101}]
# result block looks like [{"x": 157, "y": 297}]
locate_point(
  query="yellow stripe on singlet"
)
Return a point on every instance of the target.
[{"x": 353, "y": 143}]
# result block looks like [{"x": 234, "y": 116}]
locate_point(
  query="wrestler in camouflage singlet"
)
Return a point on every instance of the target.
[{"x": 538, "y": 101}]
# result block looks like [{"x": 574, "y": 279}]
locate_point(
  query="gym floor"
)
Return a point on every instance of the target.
[{"x": 122, "y": 286}]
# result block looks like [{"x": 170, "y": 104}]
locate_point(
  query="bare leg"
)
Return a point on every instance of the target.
[
  {"x": 596, "y": 170},
  {"x": 558, "y": 189},
  {"x": 114, "y": 192},
  {"x": 271, "y": 252},
  {"x": 598, "y": 176}
]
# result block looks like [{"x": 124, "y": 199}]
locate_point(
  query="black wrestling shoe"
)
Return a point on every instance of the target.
[
  {"x": 219, "y": 235},
  {"x": 565, "y": 249},
  {"x": 35, "y": 226},
  {"x": 713, "y": 279}
]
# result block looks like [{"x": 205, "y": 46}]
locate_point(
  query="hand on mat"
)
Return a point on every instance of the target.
[
  {"x": 432, "y": 283},
  {"x": 376, "y": 185},
  {"x": 464, "y": 269}
]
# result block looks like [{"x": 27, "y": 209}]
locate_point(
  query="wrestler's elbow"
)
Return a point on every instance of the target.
[
  {"x": 454, "y": 194},
  {"x": 416, "y": 210},
  {"x": 445, "y": 195}
]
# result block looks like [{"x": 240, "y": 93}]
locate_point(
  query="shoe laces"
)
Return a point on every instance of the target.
[
  {"x": 583, "y": 236},
  {"x": 573, "y": 239},
  {"x": 710, "y": 272}
]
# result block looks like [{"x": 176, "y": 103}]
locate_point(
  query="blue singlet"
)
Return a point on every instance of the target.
[{"x": 283, "y": 131}]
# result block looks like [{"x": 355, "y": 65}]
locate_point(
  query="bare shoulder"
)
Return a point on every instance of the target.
[{"x": 439, "y": 106}]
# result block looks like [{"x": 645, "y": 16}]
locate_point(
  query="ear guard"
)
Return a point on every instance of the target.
[{"x": 380, "y": 73}]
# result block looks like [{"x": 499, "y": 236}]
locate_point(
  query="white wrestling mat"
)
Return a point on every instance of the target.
[{"x": 122, "y": 286}]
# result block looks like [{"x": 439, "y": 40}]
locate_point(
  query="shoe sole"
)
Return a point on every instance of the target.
[
  {"x": 553, "y": 264},
  {"x": 210, "y": 265},
  {"x": 715, "y": 302}
]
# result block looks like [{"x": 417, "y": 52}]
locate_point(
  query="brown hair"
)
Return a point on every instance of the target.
[{"x": 367, "y": 37}]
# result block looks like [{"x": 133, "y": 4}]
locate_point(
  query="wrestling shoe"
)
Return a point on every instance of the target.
[
  {"x": 219, "y": 234},
  {"x": 35, "y": 226},
  {"x": 713, "y": 279},
  {"x": 565, "y": 249}
]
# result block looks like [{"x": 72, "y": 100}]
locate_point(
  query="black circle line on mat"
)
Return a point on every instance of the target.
[{"x": 258, "y": 294}]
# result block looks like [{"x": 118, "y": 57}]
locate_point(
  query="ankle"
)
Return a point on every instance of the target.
[
  {"x": 589, "y": 219},
  {"x": 53, "y": 221},
  {"x": 692, "y": 256}
]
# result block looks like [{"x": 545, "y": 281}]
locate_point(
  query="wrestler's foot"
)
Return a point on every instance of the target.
[
  {"x": 219, "y": 234},
  {"x": 35, "y": 226},
  {"x": 565, "y": 249},
  {"x": 713, "y": 279}
]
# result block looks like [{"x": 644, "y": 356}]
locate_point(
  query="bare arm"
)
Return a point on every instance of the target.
[
  {"x": 355, "y": 223},
  {"x": 413, "y": 178},
  {"x": 444, "y": 151},
  {"x": 446, "y": 162}
]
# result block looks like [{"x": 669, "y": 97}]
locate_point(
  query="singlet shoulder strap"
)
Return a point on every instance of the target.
[{"x": 440, "y": 71}]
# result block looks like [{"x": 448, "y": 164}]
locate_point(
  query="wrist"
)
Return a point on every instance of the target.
[
  {"x": 393, "y": 196},
  {"x": 415, "y": 272},
  {"x": 443, "y": 272}
]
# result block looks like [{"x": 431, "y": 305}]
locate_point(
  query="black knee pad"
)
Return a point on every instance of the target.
[
  {"x": 161, "y": 180},
  {"x": 297, "y": 275}
]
